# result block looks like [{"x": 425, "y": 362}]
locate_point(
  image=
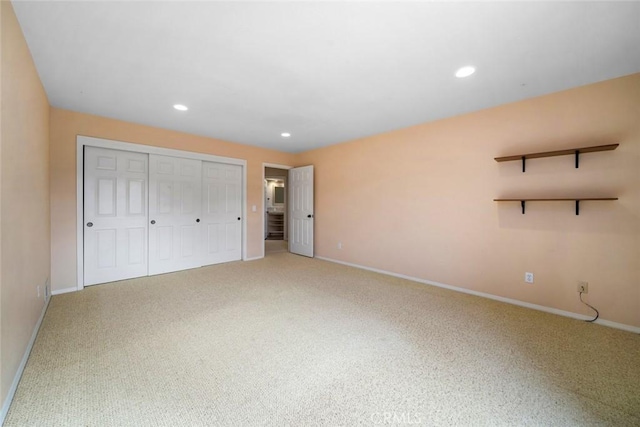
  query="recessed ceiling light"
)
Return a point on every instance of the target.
[
  {"x": 465, "y": 71},
  {"x": 285, "y": 134},
  {"x": 180, "y": 107}
]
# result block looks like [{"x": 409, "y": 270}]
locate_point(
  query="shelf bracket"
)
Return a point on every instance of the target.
[
  {"x": 577, "y": 158},
  {"x": 524, "y": 159},
  {"x": 522, "y": 204},
  {"x": 577, "y": 207}
]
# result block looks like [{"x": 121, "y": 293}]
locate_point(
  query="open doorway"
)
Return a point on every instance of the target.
[{"x": 276, "y": 219}]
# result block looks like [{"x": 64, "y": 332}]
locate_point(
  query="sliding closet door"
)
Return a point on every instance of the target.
[
  {"x": 174, "y": 213},
  {"x": 115, "y": 215},
  {"x": 221, "y": 212}
]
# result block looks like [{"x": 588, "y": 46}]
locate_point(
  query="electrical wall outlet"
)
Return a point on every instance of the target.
[
  {"x": 583, "y": 287},
  {"x": 528, "y": 277},
  {"x": 339, "y": 245}
]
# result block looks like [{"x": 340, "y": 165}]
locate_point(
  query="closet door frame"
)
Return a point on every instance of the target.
[{"x": 88, "y": 141}]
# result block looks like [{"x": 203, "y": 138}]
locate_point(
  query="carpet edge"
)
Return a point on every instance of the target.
[
  {"x": 16, "y": 379},
  {"x": 564, "y": 313}
]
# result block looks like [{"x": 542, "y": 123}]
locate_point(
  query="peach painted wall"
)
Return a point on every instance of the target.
[
  {"x": 418, "y": 201},
  {"x": 66, "y": 125},
  {"x": 24, "y": 223}
]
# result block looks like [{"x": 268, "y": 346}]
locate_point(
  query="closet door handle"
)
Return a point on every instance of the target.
[
  {"x": 238, "y": 218},
  {"x": 153, "y": 221},
  {"x": 198, "y": 220},
  {"x": 89, "y": 224},
  {"x": 309, "y": 216}
]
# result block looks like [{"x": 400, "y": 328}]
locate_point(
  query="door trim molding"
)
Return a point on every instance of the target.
[
  {"x": 264, "y": 207},
  {"x": 82, "y": 141}
]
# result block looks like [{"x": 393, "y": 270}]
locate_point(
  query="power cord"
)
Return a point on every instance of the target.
[{"x": 592, "y": 308}]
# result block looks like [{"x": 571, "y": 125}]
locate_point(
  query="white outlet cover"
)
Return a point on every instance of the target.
[{"x": 528, "y": 277}]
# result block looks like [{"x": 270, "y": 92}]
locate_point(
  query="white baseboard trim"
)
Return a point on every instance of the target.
[
  {"x": 64, "y": 291},
  {"x": 552, "y": 310},
  {"x": 254, "y": 258},
  {"x": 16, "y": 379}
]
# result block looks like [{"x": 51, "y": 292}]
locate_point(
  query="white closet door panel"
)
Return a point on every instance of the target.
[
  {"x": 137, "y": 245},
  {"x": 115, "y": 215},
  {"x": 107, "y": 243},
  {"x": 149, "y": 214},
  {"x": 165, "y": 243},
  {"x": 136, "y": 197},
  {"x": 174, "y": 213},
  {"x": 222, "y": 208}
]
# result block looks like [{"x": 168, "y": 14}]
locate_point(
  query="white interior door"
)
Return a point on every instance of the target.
[
  {"x": 115, "y": 215},
  {"x": 221, "y": 212},
  {"x": 174, "y": 213},
  {"x": 301, "y": 208}
]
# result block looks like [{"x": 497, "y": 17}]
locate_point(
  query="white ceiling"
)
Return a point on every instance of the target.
[{"x": 325, "y": 71}]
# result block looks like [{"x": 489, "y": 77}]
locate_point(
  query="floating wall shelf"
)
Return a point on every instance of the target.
[
  {"x": 577, "y": 200},
  {"x": 568, "y": 152}
]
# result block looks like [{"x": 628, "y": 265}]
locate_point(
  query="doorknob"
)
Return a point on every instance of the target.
[
  {"x": 153, "y": 221},
  {"x": 89, "y": 224},
  {"x": 309, "y": 216},
  {"x": 238, "y": 218},
  {"x": 198, "y": 220}
]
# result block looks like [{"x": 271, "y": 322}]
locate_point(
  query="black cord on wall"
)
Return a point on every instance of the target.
[{"x": 592, "y": 308}]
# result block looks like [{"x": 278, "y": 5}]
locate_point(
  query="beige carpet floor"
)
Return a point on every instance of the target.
[
  {"x": 294, "y": 341},
  {"x": 273, "y": 246}
]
